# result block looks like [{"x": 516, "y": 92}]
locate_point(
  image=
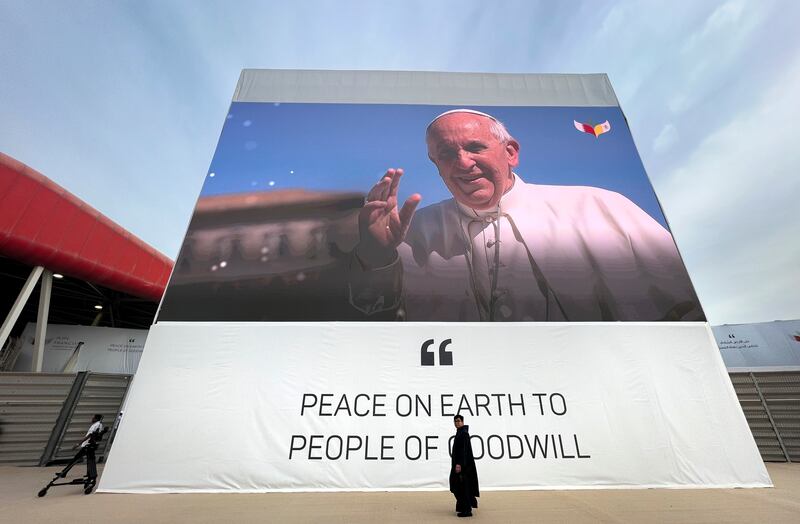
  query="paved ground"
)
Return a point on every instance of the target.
[{"x": 18, "y": 503}]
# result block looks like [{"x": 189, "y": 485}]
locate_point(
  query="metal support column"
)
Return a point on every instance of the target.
[
  {"x": 769, "y": 416},
  {"x": 19, "y": 304},
  {"x": 41, "y": 320}
]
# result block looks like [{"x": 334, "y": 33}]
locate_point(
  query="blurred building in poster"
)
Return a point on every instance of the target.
[{"x": 277, "y": 255}]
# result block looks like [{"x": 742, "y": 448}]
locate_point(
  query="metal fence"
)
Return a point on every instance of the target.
[
  {"x": 30, "y": 404},
  {"x": 99, "y": 393},
  {"x": 771, "y": 403},
  {"x": 42, "y": 415}
]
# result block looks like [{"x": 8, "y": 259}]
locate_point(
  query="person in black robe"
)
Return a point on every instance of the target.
[{"x": 463, "y": 474}]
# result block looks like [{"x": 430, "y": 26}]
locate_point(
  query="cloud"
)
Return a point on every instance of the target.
[
  {"x": 710, "y": 55},
  {"x": 733, "y": 209},
  {"x": 614, "y": 21},
  {"x": 719, "y": 24},
  {"x": 665, "y": 139}
]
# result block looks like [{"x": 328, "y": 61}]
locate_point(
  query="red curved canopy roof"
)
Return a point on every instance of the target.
[{"x": 42, "y": 224}]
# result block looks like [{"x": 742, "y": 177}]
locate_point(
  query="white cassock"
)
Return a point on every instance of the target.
[{"x": 547, "y": 253}]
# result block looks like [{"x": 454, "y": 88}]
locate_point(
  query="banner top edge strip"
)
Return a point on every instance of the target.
[{"x": 425, "y": 88}]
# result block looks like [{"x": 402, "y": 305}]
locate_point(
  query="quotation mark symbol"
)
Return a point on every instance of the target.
[{"x": 427, "y": 357}]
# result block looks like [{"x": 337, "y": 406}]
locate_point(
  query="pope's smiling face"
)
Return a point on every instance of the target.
[{"x": 475, "y": 165}]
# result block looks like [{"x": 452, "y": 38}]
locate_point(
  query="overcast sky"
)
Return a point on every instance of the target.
[{"x": 122, "y": 103}]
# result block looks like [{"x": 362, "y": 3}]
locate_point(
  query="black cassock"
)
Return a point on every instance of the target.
[{"x": 464, "y": 485}]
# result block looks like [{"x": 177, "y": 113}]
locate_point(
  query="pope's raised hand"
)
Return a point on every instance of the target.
[{"x": 382, "y": 226}]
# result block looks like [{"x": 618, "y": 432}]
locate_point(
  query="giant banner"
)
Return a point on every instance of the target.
[
  {"x": 263, "y": 407},
  {"x": 373, "y": 253},
  {"x": 332, "y": 211}
]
